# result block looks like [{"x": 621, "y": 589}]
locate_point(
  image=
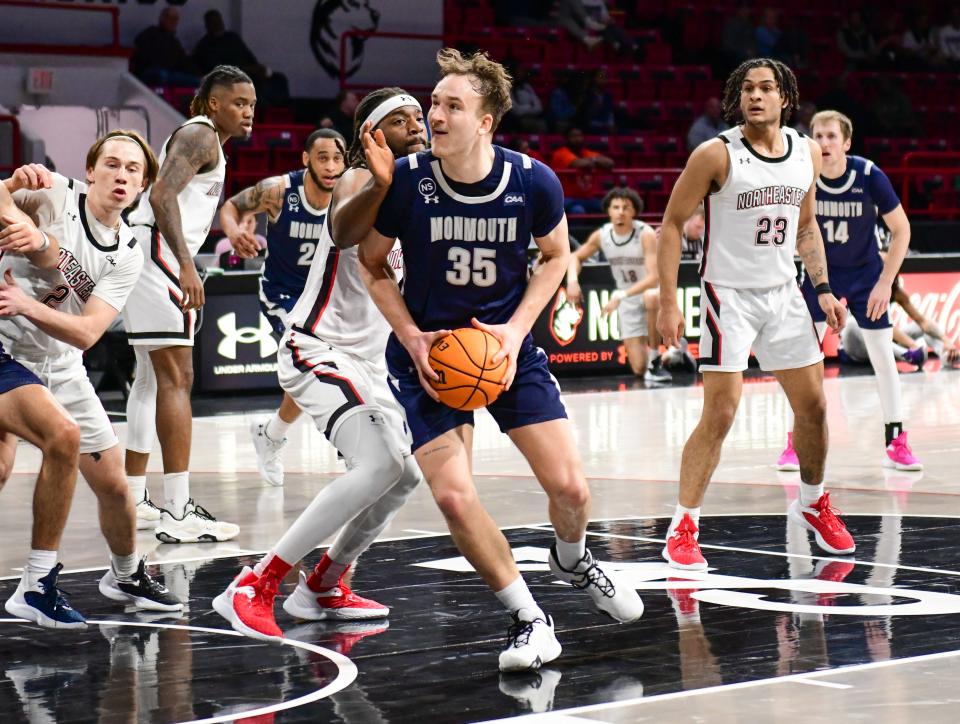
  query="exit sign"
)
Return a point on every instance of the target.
[{"x": 39, "y": 80}]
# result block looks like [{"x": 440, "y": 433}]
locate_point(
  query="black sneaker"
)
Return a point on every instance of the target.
[
  {"x": 656, "y": 373},
  {"x": 141, "y": 590}
]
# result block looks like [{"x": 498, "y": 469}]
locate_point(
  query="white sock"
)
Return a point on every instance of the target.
[
  {"x": 125, "y": 566},
  {"x": 176, "y": 492},
  {"x": 810, "y": 494},
  {"x": 517, "y": 596},
  {"x": 276, "y": 428},
  {"x": 39, "y": 564},
  {"x": 138, "y": 487},
  {"x": 569, "y": 554},
  {"x": 678, "y": 516}
]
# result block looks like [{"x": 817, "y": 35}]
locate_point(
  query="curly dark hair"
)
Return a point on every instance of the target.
[
  {"x": 623, "y": 193},
  {"x": 222, "y": 75},
  {"x": 786, "y": 82},
  {"x": 355, "y": 155}
]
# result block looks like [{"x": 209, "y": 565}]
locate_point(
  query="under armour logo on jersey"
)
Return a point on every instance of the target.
[
  {"x": 428, "y": 190},
  {"x": 293, "y": 203},
  {"x": 233, "y": 335},
  {"x": 744, "y": 160}
]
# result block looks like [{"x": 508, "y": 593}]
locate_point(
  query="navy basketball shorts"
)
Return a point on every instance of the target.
[
  {"x": 14, "y": 375},
  {"x": 276, "y": 311},
  {"x": 854, "y": 284},
  {"x": 534, "y": 397}
]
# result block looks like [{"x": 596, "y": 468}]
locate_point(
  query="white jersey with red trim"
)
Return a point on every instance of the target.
[
  {"x": 751, "y": 234},
  {"x": 95, "y": 261},
  {"x": 335, "y": 305},
  {"x": 198, "y": 201},
  {"x": 624, "y": 252}
]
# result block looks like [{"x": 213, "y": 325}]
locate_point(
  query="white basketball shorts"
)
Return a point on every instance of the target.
[
  {"x": 330, "y": 384},
  {"x": 633, "y": 317},
  {"x": 153, "y": 314},
  {"x": 67, "y": 380},
  {"x": 774, "y": 322}
]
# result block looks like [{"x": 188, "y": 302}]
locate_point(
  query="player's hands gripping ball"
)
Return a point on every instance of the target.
[{"x": 469, "y": 367}]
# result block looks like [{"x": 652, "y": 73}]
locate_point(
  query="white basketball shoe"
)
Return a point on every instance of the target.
[
  {"x": 196, "y": 526},
  {"x": 268, "y": 453}
]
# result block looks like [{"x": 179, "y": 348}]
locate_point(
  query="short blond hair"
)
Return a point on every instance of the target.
[
  {"x": 491, "y": 80},
  {"x": 151, "y": 167},
  {"x": 846, "y": 125}
]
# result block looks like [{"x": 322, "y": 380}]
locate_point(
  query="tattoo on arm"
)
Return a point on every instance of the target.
[
  {"x": 812, "y": 254},
  {"x": 266, "y": 195},
  {"x": 191, "y": 150}
]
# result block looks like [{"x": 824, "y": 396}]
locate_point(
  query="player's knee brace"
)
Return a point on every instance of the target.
[
  {"x": 366, "y": 445},
  {"x": 142, "y": 405}
]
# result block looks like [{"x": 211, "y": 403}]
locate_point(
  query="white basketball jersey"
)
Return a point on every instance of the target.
[
  {"x": 335, "y": 305},
  {"x": 751, "y": 233},
  {"x": 625, "y": 253},
  {"x": 95, "y": 261},
  {"x": 198, "y": 201}
]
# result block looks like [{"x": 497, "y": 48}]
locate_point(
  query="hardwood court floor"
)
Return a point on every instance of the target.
[{"x": 772, "y": 632}]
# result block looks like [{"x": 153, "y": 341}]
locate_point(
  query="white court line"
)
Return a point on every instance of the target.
[
  {"x": 346, "y": 669},
  {"x": 827, "y": 684},
  {"x": 723, "y": 688},
  {"x": 778, "y": 554}
]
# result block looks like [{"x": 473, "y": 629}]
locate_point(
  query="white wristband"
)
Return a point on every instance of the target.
[
  {"x": 46, "y": 241},
  {"x": 619, "y": 295}
]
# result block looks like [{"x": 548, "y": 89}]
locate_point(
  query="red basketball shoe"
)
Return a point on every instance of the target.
[
  {"x": 824, "y": 522},
  {"x": 248, "y": 605},
  {"x": 336, "y": 603},
  {"x": 682, "y": 550}
]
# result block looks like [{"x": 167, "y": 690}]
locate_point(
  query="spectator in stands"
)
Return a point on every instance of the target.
[
  {"x": 578, "y": 188},
  {"x": 736, "y": 39},
  {"x": 890, "y": 52},
  {"x": 707, "y": 125},
  {"x": 855, "y": 41},
  {"x": 520, "y": 144},
  {"x": 513, "y": 13},
  {"x": 893, "y": 110},
  {"x": 224, "y": 47},
  {"x": 948, "y": 38},
  {"x": 801, "y": 120},
  {"x": 527, "y": 112},
  {"x": 158, "y": 56},
  {"x": 596, "y": 106},
  {"x": 766, "y": 37},
  {"x": 572, "y": 17},
  {"x": 562, "y": 105},
  {"x": 920, "y": 42},
  {"x": 247, "y": 224},
  {"x": 599, "y": 19},
  {"x": 345, "y": 104}
]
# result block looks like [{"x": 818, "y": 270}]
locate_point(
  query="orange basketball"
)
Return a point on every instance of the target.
[{"x": 468, "y": 380}]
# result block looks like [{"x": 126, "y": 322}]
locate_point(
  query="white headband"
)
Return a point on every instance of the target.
[{"x": 387, "y": 107}]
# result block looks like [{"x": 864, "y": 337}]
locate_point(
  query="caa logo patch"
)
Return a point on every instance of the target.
[{"x": 513, "y": 200}]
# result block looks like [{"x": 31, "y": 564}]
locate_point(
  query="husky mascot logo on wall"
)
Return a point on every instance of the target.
[
  {"x": 331, "y": 19},
  {"x": 564, "y": 319}
]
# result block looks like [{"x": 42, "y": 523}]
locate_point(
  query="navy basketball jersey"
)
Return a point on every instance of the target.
[
  {"x": 847, "y": 209},
  {"x": 465, "y": 245},
  {"x": 291, "y": 243}
]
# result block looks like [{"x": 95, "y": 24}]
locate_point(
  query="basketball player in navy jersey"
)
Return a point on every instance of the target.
[
  {"x": 464, "y": 214},
  {"x": 757, "y": 183},
  {"x": 852, "y": 191},
  {"x": 331, "y": 362},
  {"x": 296, "y": 207}
]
